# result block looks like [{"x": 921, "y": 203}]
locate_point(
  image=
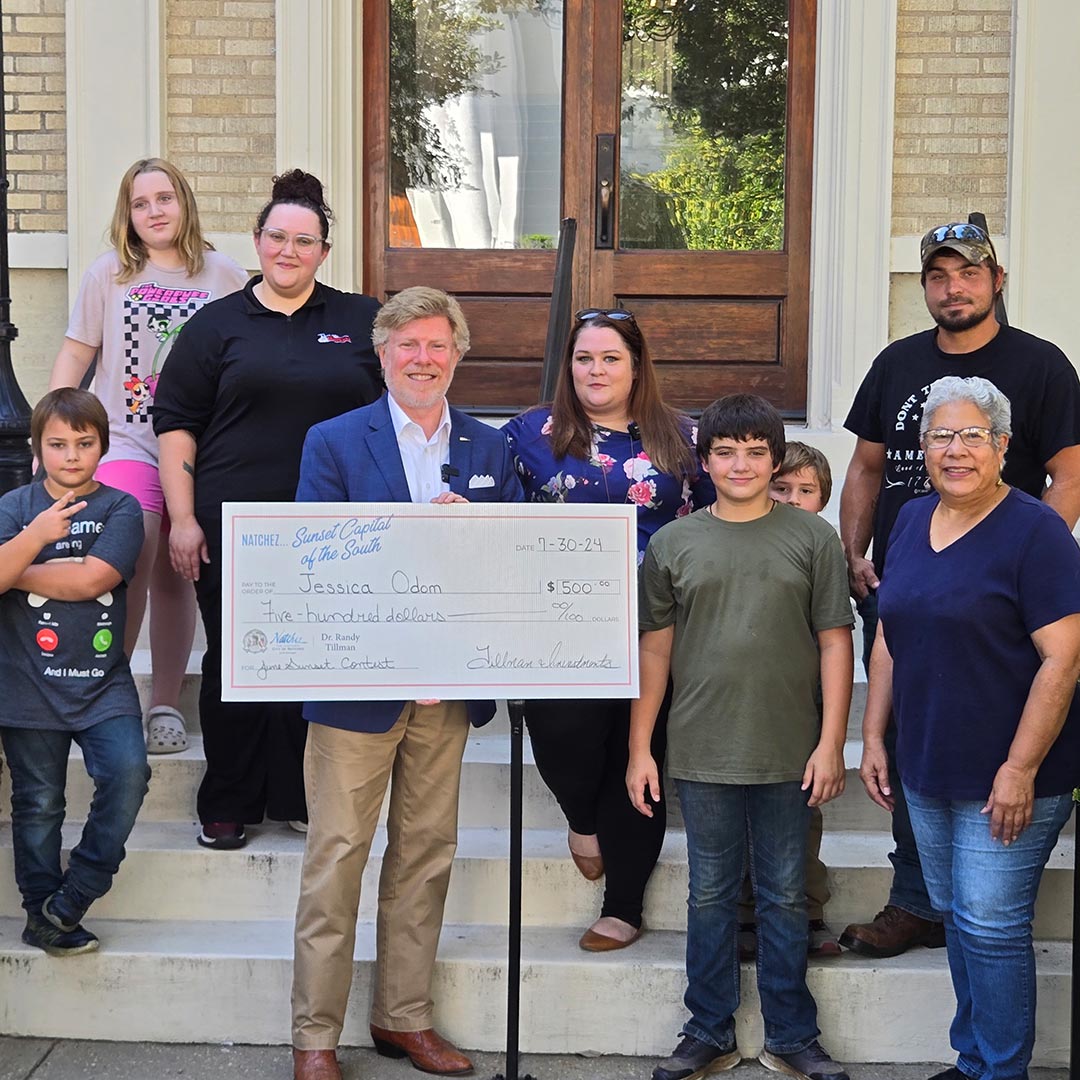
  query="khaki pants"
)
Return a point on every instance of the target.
[{"x": 346, "y": 773}]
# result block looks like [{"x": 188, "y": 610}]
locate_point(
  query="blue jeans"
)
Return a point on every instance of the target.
[
  {"x": 987, "y": 893},
  {"x": 908, "y": 890},
  {"x": 115, "y": 755},
  {"x": 725, "y": 825}
]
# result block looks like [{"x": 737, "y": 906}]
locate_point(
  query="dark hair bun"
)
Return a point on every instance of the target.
[{"x": 301, "y": 187}]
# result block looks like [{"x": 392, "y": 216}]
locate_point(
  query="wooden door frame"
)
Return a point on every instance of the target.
[{"x": 587, "y": 86}]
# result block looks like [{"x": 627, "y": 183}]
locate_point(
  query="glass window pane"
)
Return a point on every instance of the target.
[
  {"x": 704, "y": 90},
  {"x": 475, "y": 123}
]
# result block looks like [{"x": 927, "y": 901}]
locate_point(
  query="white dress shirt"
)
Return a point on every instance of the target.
[{"x": 421, "y": 457}]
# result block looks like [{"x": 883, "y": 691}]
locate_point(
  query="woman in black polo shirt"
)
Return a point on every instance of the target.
[{"x": 246, "y": 378}]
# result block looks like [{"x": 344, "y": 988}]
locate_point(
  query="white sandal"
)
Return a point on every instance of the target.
[{"x": 165, "y": 732}]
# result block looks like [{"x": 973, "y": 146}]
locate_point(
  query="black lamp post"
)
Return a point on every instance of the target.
[{"x": 14, "y": 409}]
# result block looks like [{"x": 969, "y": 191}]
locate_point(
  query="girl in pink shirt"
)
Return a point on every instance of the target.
[{"x": 132, "y": 302}]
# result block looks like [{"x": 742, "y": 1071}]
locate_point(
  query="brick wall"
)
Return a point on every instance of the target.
[
  {"x": 950, "y": 153},
  {"x": 34, "y": 113},
  {"x": 220, "y": 105}
]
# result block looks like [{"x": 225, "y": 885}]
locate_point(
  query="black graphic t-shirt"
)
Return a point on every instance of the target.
[
  {"x": 62, "y": 662},
  {"x": 1034, "y": 375}
]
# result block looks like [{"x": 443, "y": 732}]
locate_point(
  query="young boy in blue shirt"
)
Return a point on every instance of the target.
[
  {"x": 745, "y": 604},
  {"x": 68, "y": 547}
]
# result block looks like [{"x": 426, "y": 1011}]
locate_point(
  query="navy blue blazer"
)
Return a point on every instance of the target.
[{"x": 355, "y": 458}]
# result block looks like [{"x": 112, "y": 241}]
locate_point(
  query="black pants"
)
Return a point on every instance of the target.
[
  {"x": 254, "y": 750},
  {"x": 581, "y": 749}
]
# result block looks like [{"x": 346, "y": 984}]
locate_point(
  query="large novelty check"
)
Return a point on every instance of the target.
[{"x": 400, "y": 601}]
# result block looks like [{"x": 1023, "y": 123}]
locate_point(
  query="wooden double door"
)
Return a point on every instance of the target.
[{"x": 679, "y": 136}]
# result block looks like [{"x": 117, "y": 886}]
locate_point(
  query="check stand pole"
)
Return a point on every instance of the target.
[
  {"x": 1074, "y": 1045},
  {"x": 513, "y": 967}
]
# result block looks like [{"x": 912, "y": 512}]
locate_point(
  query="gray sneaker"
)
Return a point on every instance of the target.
[
  {"x": 812, "y": 1063},
  {"x": 693, "y": 1059},
  {"x": 822, "y": 941}
]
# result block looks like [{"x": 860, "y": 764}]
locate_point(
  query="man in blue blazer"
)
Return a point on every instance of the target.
[{"x": 409, "y": 446}]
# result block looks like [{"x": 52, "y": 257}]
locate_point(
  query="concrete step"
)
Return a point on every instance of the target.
[
  {"x": 168, "y": 877},
  {"x": 227, "y": 981},
  {"x": 485, "y": 789}
]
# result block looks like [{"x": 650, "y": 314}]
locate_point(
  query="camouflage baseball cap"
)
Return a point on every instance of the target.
[{"x": 968, "y": 241}]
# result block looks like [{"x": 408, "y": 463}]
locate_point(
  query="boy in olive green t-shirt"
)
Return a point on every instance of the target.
[
  {"x": 803, "y": 480},
  {"x": 745, "y": 604}
]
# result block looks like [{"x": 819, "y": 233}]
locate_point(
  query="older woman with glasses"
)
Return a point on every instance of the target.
[
  {"x": 247, "y": 377},
  {"x": 607, "y": 437},
  {"x": 978, "y": 653}
]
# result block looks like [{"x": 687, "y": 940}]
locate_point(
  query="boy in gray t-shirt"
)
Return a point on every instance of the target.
[
  {"x": 68, "y": 546},
  {"x": 745, "y": 604}
]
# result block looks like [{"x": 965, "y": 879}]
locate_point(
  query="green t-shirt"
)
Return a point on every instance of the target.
[{"x": 746, "y": 600}]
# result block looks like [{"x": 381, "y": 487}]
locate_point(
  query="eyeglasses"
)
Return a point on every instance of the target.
[
  {"x": 941, "y": 438},
  {"x": 618, "y": 314},
  {"x": 302, "y": 242}
]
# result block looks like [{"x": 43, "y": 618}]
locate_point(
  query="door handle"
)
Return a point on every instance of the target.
[{"x": 605, "y": 191}]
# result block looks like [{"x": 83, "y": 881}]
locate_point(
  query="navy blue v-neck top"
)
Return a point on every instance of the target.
[{"x": 958, "y": 623}]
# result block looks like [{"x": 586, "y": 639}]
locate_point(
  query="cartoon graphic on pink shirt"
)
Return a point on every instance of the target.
[
  {"x": 153, "y": 316},
  {"x": 138, "y": 394}
]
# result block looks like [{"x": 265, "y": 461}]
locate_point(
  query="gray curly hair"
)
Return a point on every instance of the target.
[{"x": 981, "y": 393}]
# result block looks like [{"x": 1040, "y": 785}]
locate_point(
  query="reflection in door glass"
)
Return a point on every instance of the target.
[
  {"x": 704, "y": 88},
  {"x": 475, "y": 123}
]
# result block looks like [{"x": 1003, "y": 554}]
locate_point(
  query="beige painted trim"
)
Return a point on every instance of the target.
[
  {"x": 115, "y": 99},
  {"x": 238, "y": 246},
  {"x": 38, "y": 251},
  {"x": 849, "y": 261},
  {"x": 1043, "y": 225},
  {"x": 318, "y": 114}
]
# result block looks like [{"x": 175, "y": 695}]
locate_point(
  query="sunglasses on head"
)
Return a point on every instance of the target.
[
  {"x": 618, "y": 314},
  {"x": 956, "y": 232},
  {"x": 974, "y": 239}
]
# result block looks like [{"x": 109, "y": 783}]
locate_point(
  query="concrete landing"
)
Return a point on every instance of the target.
[{"x": 44, "y": 1059}]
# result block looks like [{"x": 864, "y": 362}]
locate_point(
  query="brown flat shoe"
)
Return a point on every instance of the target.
[
  {"x": 315, "y": 1065},
  {"x": 591, "y": 866},
  {"x": 591, "y": 941},
  {"x": 427, "y": 1050}
]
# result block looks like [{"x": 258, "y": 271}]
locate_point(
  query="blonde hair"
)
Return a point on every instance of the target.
[
  {"x": 131, "y": 251},
  {"x": 420, "y": 302}
]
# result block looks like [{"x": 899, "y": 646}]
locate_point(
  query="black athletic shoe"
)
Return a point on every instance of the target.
[
  {"x": 222, "y": 835},
  {"x": 693, "y": 1059},
  {"x": 811, "y": 1063},
  {"x": 42, "y": 934},
  {"x": 65, "y": 908}
]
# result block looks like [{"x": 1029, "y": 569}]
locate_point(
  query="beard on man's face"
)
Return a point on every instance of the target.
[
  {"x": 958, "y": 319},
  {"x": 966, "y": 314}
]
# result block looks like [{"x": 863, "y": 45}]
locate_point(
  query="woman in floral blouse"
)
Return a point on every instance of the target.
[{"x": 606, "y": 438}]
